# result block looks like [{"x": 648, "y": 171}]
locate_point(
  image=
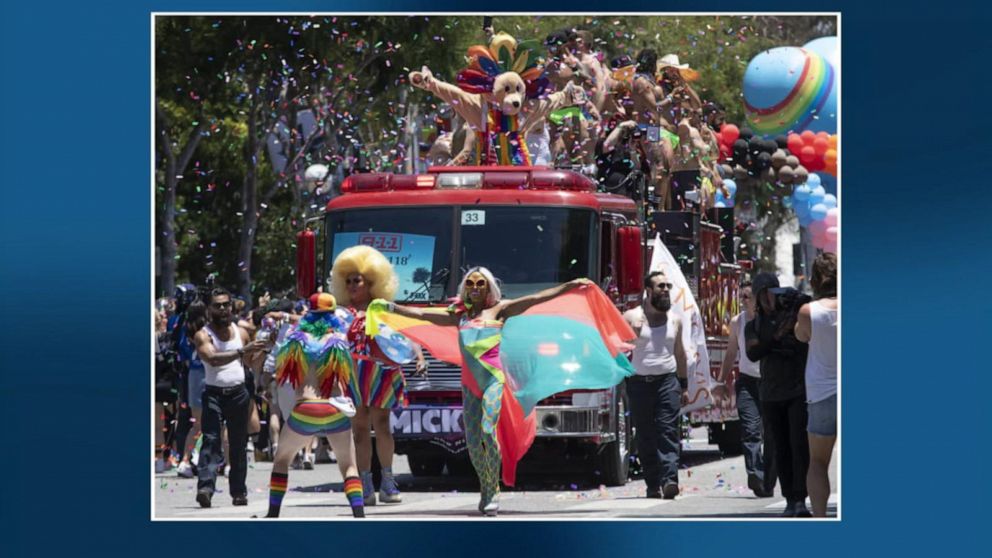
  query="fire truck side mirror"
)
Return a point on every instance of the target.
[
  {"x": 306, "y": 263},
  {"x": 630, "y": 263}
]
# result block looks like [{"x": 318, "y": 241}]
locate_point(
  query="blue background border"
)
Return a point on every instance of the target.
[{"x": 75, "y": 299}]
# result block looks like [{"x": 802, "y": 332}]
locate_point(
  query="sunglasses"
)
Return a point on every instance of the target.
[
  {"x": 666, "y": 286},
  {"x": 477, "y": 284},
  {"x": 221, "y": 304},
  {"x": 354, "y": 281}
]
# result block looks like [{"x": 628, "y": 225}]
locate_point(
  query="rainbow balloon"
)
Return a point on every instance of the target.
[{"x": 790, "y": 89}]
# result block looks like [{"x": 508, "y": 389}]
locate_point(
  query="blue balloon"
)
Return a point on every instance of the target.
[
  {"x": 719, "y": 204},
  {"x": 801, "y": 193},
  {"x": 830, "y": 201},
  {"x": 719, "y": 197},
  {"x": 731, "y": 187},
  {"x": 787, "y": 202},
  {"x": 827, "y": 47},
  {"x": 813, "y": 180},
  {"x": 804, "y": 220},
  {"x": 816, "y": 195},
  {"x": 818, "y": 212},
  {"x": 826, "y": 118},
  {"x": 801, "y": 208},
  {"x": 772, "y": 78}
]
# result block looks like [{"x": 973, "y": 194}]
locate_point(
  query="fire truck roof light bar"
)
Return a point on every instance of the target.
[{"x": 531, "y": 178}]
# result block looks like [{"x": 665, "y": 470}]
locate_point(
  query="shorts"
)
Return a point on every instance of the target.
[
  {"x": 823, "y": 417},
  {"x": 317, "y": 417},
  {"x": 377, "y": 386},
  {"x": 197, "y": 379}
]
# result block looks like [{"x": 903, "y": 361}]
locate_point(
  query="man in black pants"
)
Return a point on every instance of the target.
[
  {"x": 221, "y": 345},
  {"x": 759, "y": 464},
  {"x": 770, "y": 340},
  {"x": 654, "y": 392}
]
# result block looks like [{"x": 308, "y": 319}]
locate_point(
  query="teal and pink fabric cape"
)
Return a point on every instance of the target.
[{"x": 574, "y": 341}]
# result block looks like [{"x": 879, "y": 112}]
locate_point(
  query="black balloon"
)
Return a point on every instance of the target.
[
  {"x": 782, "y": 142},
  {"x": 764, "y": 161},
  {"x": 746, "y": 133}
]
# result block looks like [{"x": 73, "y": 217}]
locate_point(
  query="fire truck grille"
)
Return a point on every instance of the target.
[{"x": 441, "y": 376}]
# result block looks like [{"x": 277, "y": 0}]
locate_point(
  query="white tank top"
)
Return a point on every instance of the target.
[
  {"x": 821, "y": 364},
  {"x": 744, "y": 364},
  {"x": 654, "y": 349},
  {"x": 232, "y": 373}
]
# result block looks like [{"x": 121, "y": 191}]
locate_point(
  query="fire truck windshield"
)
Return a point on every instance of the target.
[
  {"x": 528, "y": 248},
  {"x": 417, "y": 241}
]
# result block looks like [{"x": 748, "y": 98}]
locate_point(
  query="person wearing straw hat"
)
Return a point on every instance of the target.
[{"x": 674, "y": 79}]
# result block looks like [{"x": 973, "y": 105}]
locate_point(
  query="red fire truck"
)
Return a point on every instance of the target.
[{"x": 534, "y": 227}]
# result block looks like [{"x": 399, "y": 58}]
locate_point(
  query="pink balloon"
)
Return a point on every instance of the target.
[
  {"x": 817, "y": 228},
  {"x": 831, "y": 235},
  {"x": 830, "y": 247},
  {"x": 833, "y": 214},
  {"x": 819, "y": 240}
]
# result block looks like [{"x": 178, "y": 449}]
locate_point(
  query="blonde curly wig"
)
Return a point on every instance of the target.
[{"x": 373, "y": 267}]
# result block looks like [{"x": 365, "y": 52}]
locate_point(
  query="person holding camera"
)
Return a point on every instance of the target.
[
  {"x": 622, "y": 165},
  {"x": 770, "y": 340}
]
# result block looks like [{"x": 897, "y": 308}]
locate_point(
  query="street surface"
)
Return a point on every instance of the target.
[{"x": 712, "y": 487}]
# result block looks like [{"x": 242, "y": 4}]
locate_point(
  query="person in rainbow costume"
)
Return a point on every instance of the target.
[
  {"x": 500, "y": 95},
  {"x": 514, "y": 353},
  {"x": 361, "y": 273},
  {"x": 316, "y": 361}
]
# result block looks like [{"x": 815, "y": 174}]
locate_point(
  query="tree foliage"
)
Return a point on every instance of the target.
[{"x": 225, "y": 84}]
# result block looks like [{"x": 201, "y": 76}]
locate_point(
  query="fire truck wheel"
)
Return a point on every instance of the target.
[{"x": 613, "y": 459}]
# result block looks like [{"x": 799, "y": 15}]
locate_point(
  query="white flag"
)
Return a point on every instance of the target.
[{"x": 694, "y": 336}]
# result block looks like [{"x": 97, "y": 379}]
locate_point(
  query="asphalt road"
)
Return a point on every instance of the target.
[{"x": 712, "y": 487}]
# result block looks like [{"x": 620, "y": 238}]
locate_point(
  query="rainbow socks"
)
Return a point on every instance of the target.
[
  {"x": 353, "y": 490},
  {"x": 277, "y": 489}
]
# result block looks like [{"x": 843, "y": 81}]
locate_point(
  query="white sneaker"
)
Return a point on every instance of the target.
[
  {"x": 185, "y": 470},
  {"x": 344, "y": 404}
]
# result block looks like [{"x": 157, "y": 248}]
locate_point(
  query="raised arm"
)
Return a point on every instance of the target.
[
  {"x": 436, "y": 318},
  {"x": 468, "y": 105},
  {"x": 515, "y": 307}
]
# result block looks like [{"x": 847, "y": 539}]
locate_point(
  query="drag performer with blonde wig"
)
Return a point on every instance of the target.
[
  {"x": 565, "y": 337},
  {"x": 315, "y": 360},
  {"x": 360, "y": 274}
]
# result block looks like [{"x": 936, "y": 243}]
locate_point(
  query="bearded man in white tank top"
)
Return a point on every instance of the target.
[
  {"x": 222, "y": 345},
  {"x": 655, "y": 392},
  {"x": 817, "y": 325}
]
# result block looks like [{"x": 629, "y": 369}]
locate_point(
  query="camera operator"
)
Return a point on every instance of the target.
[
  {"x": 622, "y": 165},
  {"x": 770, "y": 340}
]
